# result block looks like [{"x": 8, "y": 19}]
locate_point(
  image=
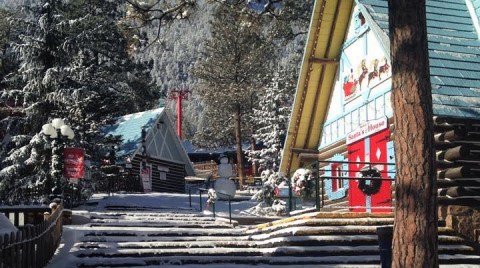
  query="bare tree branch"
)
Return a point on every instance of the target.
[{"x": 146, "y": 14}]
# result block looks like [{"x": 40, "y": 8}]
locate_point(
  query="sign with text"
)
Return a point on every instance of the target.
[
  {"x": 367, "y": 129},
  {"x": 146, "y": 175},
  {"x": 73, "y": 163}
]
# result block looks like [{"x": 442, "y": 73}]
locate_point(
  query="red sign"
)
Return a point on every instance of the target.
[{"x": 73, "y": 163}]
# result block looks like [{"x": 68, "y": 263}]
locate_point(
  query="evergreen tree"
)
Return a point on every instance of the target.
[
  {"x": 6, "y": 61},
  {"x": 231, "y": 72},
  {"x": 74, "y": 65},
  {"x": 271, "y": 119}
]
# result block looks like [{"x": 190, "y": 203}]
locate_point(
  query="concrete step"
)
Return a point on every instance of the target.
[
  {"x": 161, "y": 223},
  {"x": 243, "y": 248},
  {"x": 158, "y": 232},
  {"x": 316, "y": 239},
  {"x": 263, "y": 261}
]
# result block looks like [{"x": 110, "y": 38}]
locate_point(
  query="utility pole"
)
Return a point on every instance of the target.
[{"x": 179, "y": 95}]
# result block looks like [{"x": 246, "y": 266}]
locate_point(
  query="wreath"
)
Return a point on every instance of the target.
[{"x": 375, "y": 181}]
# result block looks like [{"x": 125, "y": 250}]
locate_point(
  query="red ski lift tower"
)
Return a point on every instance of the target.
[{"x": 179, "y": 95}]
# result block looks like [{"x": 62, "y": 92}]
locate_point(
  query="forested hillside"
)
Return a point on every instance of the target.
[
  {"x": 174, "y": 55},
  {"x": 179, "y": 46},
  {"x": 174, "y": 49},
  {"x": 91, "y": 61}
]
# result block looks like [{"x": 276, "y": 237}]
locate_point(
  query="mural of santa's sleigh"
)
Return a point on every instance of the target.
[{"x": 361, "y": 180}]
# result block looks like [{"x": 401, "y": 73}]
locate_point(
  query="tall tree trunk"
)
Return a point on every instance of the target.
[
  {"x": 415, "y": 239},
  {"x": 238, "y": 139},
  {"x": 253, "y": 148}
]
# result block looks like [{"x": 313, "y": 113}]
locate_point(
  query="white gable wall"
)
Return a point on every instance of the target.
[
  {"x": 362, "y": 90},
  {"x": 162, "y": 143}
]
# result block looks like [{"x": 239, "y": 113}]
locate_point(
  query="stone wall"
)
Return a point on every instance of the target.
[{"x": 464, "y": 220}]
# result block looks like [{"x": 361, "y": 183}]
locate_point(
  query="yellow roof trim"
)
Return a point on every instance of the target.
[{"x": 326, "y": 35}]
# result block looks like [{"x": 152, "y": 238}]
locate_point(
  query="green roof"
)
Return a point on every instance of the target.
[{"x": 454, "y": 53}]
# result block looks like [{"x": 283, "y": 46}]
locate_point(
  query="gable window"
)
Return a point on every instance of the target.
[
  {"x": 361, "y": 19},
  {"x": 337, "y": 183}
]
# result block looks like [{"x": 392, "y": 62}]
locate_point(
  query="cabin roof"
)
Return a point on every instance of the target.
[{"x": 454, "y": 53}]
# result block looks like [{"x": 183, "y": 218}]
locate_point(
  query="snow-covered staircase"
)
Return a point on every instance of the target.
[{"x": 128, "y": 239}]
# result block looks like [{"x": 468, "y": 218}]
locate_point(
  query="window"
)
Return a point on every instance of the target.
[
  {"x": 334, "y": 131},
  {"x": 341, "y": 127},
  {"x": 388, "y": 104},
  {"x": 348, "y": 123},
  {"x": 371, "y": 110},
  {"x": 337, "y": 183},
  {"x": 380, "y": 106},
  {"x": 355, "y": 119},
  {"x": 328, "y": 134},
  {"x": 363, "y": 114}
]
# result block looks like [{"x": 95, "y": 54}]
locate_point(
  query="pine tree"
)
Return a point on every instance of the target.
[
  {"x": 232, "y": 70},
  {"x": 271, "y": 119},
  {"x": 74, "y": 65}
]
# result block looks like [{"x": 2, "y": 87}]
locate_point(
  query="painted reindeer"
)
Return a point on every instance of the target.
[
  {"x": 383, "y": 69},
  {"x": 374, "y": 73},
  {"x": 363, "y": 74}
]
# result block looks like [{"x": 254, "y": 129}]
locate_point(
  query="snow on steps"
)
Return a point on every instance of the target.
[{"x": 153, "y": 239}]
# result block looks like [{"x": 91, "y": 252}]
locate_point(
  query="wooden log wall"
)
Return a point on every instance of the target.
[
  {"x": 175, "y": 177},
  {"x": 458, "y": 161}
]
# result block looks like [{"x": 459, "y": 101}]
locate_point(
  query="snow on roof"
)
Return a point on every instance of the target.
[{"x": 130, "y": 128}]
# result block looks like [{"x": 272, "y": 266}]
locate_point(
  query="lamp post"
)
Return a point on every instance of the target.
[{"x": 57, "y": 131}]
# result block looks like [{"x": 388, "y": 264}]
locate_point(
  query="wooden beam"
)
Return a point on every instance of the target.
[
  {"x": 308, "y": 157},
  {"x": 323, "y": 60},
  {"x": 301, "y": 150}
]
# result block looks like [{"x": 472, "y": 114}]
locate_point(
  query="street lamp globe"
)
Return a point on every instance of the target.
[
  {"x": 48, "y": 130},
  {"x": 67, "y": 132},
  {"x": 58, "y": 123}
]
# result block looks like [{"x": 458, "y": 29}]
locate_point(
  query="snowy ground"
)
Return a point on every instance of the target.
[
  {"x": 163, "y": 202},
  {"x": 170, "y": 230},
  {"x": 152, "y": 202}
]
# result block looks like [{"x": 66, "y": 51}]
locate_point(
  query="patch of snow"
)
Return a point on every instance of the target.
[{"x": 6, "y": 226}]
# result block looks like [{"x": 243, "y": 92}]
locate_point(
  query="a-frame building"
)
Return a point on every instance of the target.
[
  {"x": 158, "y": 156},
  {"x": 341, "y": 120}
]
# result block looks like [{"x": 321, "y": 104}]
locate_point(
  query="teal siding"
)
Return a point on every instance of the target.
[{"x": 476, "y": 6}]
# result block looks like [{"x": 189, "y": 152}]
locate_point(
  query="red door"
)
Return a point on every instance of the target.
[
  {"x": 356, "y": 153},
  {"x": 381, "y": 201},
  {"x": 371, "y": 149}
]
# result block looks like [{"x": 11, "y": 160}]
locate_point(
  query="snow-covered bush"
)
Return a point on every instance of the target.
[
  {"x": 277, "y": 208},
  {"x": 303, "y": 182},
  {"x": 270, "y": 180}
]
